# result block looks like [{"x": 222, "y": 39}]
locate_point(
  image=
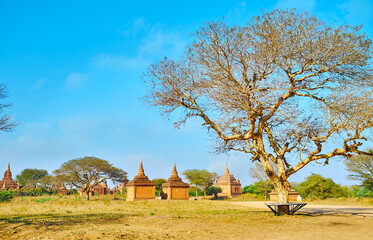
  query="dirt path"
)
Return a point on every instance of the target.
[{"x": 312, "y": 209}]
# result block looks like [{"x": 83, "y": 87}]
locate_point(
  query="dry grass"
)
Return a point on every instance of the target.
[{"x": 72, "y": 217}]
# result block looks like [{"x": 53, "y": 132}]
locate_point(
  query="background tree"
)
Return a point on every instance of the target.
[
  {"x": 361, "y": 167},
  {"x": 6, "y": 124},
  {"x": 158, "y": 184},
  {"x": 31, "y": 177},
  {"x": 214, "y": 190},
  {"x": 200, "y": 178},
  {"x": 286, "y": 88},
  {"x": 257, "y": 172},
  {"x": 259, "y": 188},
  {"x": 318, "y": 187},
  {"x": 49, "y": 183},
  {"x": 87, "y": 172}
]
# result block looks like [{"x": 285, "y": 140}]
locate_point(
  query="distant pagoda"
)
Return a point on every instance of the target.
[
  {"x": 140, "y": 187},
  {"x": 101, "y": 189},
  {"x": 175, "y": 188},
  {"x": 230, "y": 186},
  {"x": 7, "y": 182},
  {"x": 63, "y": 190}
]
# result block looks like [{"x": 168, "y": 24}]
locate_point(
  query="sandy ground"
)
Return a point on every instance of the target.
[
  {"x": 73, "y": 218},
  {"x": 319, "y": 209}
]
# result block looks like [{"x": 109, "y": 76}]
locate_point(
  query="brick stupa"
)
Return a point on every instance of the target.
[
  {"x": 229, "y": 185},
  {"x": 175, "y": 188},
  {"x": 63, "y": 190},
  {"x": 7, "y": 182},
  {"x": 140, "y": 187}
]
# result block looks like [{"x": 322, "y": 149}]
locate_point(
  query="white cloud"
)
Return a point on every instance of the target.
[
  {"x": 75, "y": 80},
  {"x": 119, "y": 62},
  {"x": 155, "y": 45},
  {"x": 308, "y": 5},
  {"x": 39, "y": 84},
  {"x": 159, "y": 43},
  {"x": 137, "y": 25},
  {"x": 237, "y": 13}
]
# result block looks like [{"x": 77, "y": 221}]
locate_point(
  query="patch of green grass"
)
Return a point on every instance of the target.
[{"x": 43, "y": 200}]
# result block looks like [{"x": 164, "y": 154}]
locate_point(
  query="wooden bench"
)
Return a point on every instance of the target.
[{"x": 293, "y": 207}]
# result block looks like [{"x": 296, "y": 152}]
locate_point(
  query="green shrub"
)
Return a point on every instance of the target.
[
  {"x": 43, "y": 200},
  {"x": 361, "y": 192},
  {"x": 259, "y": 188},
  {"x": 193, "y": 193},
  {"x": 318, "y": 187},
  {"x": 213, "y": 190},
  {"x": 5, "y": 196}
]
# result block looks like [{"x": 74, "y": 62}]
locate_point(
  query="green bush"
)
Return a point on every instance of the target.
[
  {"x": 213, "y": 190},
  {"x": 43, "y": 200},
  {"x": 361, "y": 192},
  {"x": 193, "y": 193},
  {"x": 318, "y": 187},
  {"x": 6, "y": 196},
  {"x": 259, "y": 188}
]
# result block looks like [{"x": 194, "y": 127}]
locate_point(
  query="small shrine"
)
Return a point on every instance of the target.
[
  {"x": 101, "y": 189},
  {"x": 63, "y": 190},
  {"x": 140, "y": 188},
  {"x": 175, "y": 188},
  {"x": 121, "y": 186},
  {"x": 7, "y": 182},
  {"x": 293, "y": 194},
  {"x": 229, "y": 185}
]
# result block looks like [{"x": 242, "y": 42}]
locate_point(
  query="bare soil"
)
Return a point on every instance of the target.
[{"x": 105, "y": 218}]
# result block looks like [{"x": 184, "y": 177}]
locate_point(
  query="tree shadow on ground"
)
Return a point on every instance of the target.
[
  {"x": 48, "y": 220},
  {"x": 315, "y": 212}
]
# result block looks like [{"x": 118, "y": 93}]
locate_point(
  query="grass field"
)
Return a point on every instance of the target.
[{"x": 72, "y": 217}]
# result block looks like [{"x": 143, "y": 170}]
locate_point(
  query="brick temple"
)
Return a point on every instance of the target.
[
  {"x": 229, "y": 185},
  {"x": 7, "y": 182},
  {"x": 99, "y": 189},
  {"x": 175, "y": 188},
  {"x": 121, "y": 187},
  {"x": 140, "y": 187},
  {"x": 63, "y": 190}
]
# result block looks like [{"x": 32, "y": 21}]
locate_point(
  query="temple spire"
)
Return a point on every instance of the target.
[
  {"x": 141, "y": 170},
  {"x": 174, "y": 172},
  {"x": 226, "y": 172},
  {"x": 8, "y": 167}
]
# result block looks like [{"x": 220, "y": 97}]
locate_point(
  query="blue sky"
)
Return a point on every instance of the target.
[{"x": 73, "y": 71}]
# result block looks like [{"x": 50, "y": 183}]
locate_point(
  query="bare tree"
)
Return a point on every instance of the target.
[
  {"x": 6, "y": 124},
  {"x": 257, "y": 172},
  {"x": 361, "y": 168},
  {"x": 286, "y": 88}
]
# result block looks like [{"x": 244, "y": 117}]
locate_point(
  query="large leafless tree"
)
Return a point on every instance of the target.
[
  {"x": 286, "y": 88},
  {"x": 6, "y": 124}
]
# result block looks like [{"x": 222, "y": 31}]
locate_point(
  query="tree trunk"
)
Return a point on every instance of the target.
[
  {"x": 283, "y": 197},
  {"x": 283, "y": 194},
  {"x": 87, "y": 196}
]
